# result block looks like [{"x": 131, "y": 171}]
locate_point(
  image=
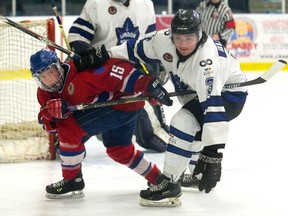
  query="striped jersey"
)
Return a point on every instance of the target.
[
  {"x": 111, "y": 23},
  {"x": 217, "y": 19}
]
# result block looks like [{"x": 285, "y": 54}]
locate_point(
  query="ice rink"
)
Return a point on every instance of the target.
[{"x": 254, "y": 179}]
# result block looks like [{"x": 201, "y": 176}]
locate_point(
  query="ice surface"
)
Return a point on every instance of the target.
[{"x": 254, "y": 179}]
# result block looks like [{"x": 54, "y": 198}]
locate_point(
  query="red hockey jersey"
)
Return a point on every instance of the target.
[{"x": 116, "y": 79}]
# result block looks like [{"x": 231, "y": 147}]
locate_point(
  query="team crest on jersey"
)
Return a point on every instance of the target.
[
  {"x": 71, "y": 89},
  {"x": 209, "y": 84},
  {"x": 127, "y": 32},
  {"x": 168, "y": 57},
  {"x": 112, "y": 10},
  {"x": 178, "y": 84}
]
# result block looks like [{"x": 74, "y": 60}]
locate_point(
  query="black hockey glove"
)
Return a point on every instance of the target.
[
  {"x": 209, "y": 164},
  {"x": 93, "y": 57},
  {"x": 157, "y": 91}
]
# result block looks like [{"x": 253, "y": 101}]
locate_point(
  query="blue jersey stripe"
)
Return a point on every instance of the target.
[
  {"x": 81, "y": 32},
  {"x": 212, "y": 101},
  {"x": 85, "y": 23},
  {"x": 215, "y": 117},
  {"x": 151, "y": 28},
  {"x": 181, "y": 134},
  {"x": 178, "y": 151},
  {"x": 129, "y": 88}
]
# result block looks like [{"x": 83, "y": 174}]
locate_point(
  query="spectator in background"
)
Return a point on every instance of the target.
[
  {"x": 185, "y": 4},
  {"x": 112, "y": 22},
  {"x": 217, "y": 19}
]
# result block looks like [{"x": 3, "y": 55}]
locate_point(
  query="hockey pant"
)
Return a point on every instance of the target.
[
  {"x": 181, "y": 147},
  {"x": 233, "y": 109},
  {"x": 117, "y": 129},
  {"x": 151, "y": 130}
]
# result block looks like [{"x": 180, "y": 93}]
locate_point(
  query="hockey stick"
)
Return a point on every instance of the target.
[
  {"x": 54, "y": 8},
  {"x": 122, "y": 101},
  {"x": 276, "y": 67},
  {"x": 39, "y": 37}
]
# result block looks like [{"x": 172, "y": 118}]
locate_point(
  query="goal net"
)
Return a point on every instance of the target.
[{"x": 21, "y": 137}]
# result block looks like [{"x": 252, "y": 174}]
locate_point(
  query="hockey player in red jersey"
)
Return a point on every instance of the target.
[{"x": 80, "y": 81}]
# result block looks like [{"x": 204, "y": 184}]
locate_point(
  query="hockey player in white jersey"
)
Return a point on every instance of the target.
[
  {"x": 200, "y": 128},
  {"x": 112, "y": 22}
]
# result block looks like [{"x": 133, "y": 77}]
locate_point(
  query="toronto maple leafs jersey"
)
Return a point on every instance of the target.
[
  {"x": 111, "y": 23},
  {"x": 206, "y": 72}
]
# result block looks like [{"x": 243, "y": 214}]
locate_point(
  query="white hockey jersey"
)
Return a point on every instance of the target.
[
  {"x": 111, "y": 23},
  {"x": 206, "y": 72}
]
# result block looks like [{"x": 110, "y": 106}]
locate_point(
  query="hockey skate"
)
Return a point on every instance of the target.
[
  {"x": 163, "y": 194},
  {"x": 189, "y": 180},
  {"x": 66, "y": 189}
]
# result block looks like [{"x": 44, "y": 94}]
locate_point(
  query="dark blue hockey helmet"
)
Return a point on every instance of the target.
[{"x": 42, "y": 61}]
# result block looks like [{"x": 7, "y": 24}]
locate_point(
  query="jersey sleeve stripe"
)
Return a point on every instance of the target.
[
  {"x": 129, "y": 82},
  {"x": 151, "y": 28},
  {"x": 81, "y": 32},
  {"x": 84, "y": 23},
  {"x": 215, "y": 117}
]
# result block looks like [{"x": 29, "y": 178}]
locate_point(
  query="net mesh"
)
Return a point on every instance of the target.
[{"x": 21, "y": 137}]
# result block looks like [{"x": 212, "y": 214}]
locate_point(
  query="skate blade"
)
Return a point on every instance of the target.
[
  {"x": 69, "y": 195},
  {"x": 167, "y": 202}
]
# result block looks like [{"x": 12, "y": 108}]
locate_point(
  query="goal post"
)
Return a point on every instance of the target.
[{"x": 21, "y": 137}]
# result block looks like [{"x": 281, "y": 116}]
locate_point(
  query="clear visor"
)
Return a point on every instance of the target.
[{"x": 51, "y": 78}]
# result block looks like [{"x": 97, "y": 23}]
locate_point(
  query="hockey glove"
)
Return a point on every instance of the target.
[
  {"x": 46, "y": 120},
  {"x": 209, "y": 165},
  {"x": 93, "y": 57},
  {"x": 157, "y": 91},
  {"x": 57, "y": 108}
]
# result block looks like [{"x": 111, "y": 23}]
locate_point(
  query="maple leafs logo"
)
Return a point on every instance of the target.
[{"x": 127, "y": 32}]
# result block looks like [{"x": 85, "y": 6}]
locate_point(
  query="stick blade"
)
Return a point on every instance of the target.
[{"x": 276, "y": 67}]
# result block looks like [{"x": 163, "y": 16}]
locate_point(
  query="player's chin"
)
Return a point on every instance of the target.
[{"x": 184, "y": 52}]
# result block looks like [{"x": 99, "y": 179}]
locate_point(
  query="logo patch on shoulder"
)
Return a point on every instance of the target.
[
  {"x": 71, "y": 89},
  {"x": 112, "y": 10},
  {"x": 168, "y": 57}
]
